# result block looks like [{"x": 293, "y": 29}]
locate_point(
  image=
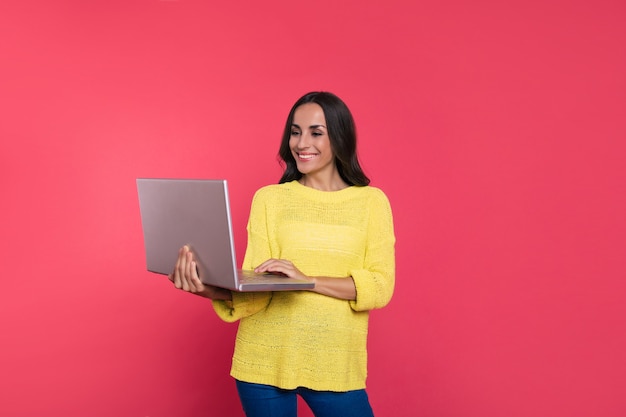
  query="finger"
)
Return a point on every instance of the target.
[
  {"x": 191, "y": 271},
  {"x": 177, "y": 270},
  {"x": 261, "y": 267},
  {"x": 284, "y": 267},
  {"x": 267, "y": 265},
  {"x": 279, "y": 267},
  {"x": 186, "y": 270},
  {"x": 195, "y": 282},
  {"x": 180, "y": 269}
]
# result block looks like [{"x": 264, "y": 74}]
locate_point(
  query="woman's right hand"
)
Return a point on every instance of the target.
[{"x": 185, "y": 277}]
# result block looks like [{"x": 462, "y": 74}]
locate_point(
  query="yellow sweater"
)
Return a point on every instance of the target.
[{"x": 299, "y": 338}]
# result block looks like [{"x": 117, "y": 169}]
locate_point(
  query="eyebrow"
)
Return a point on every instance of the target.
[{"x": 310, "y": 127}]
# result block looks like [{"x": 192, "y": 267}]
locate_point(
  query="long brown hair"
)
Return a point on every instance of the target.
[{"x": 341, "y": 133}]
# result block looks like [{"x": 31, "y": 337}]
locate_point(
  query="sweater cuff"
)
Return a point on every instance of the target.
[
  {"x": 242, "y": 305},
  {"x": 372, "y": 290}
]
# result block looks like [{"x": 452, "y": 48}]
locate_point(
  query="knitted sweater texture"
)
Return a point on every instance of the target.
[{"x": 292, "y": 339}]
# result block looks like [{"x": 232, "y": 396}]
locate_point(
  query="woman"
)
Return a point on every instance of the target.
[{"x": 323, "y": 223}]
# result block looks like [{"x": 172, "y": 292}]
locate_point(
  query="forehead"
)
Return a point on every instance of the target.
[{"x": 309, "y": 114}]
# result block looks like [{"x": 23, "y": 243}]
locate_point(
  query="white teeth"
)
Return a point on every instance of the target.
[{"x": 306, "y": 156}]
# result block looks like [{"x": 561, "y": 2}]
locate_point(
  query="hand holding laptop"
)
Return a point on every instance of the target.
[{"x": 185, "y": 277}]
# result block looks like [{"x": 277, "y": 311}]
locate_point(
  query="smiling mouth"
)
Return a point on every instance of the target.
[{"x": 306, "y": 156}]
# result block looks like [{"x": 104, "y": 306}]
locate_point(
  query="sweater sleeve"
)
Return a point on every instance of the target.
[
  {"x": 243, "y": 304},
  {"x": 257, "y": 251},
  {"x": 375, "y": 281}
]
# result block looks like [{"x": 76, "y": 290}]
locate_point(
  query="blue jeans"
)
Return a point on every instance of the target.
[{"x": 268, "y": 401}]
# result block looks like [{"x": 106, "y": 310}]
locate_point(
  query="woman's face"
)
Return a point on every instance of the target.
[{"x": 309, "y": 141}]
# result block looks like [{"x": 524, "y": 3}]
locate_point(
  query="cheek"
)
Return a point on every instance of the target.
[{"x": 329, "y": 150}]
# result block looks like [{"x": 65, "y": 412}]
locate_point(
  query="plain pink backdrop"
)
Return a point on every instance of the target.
[{"x": 496, "y": 128}]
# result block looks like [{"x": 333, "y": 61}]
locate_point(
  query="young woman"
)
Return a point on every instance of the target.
[{"x": 322, "y": 222}]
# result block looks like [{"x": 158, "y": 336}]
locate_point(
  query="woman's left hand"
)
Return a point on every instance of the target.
[{"x": 281, "y": 266}]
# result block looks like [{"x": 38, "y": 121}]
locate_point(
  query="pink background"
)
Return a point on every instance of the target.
[{"x": 496, "y": 128}]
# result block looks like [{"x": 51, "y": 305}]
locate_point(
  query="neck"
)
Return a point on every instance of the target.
[{"x": 331, "y": 184}]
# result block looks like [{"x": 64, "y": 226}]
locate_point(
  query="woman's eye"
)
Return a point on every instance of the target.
[
  {"x": 317, "y": 133},
  {"x": 294, "y": 133}
]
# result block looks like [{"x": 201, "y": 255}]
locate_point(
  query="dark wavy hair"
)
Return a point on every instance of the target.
[{"x": 341, "y": 133}]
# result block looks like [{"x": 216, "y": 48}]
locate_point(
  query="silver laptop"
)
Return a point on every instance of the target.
[{"x": 178, "y": 212}]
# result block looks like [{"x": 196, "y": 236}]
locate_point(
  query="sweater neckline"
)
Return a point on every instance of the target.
[{"x": 323, "y": 195}]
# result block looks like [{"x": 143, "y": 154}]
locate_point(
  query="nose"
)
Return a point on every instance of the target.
[{"x": 304, "y": 140}]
